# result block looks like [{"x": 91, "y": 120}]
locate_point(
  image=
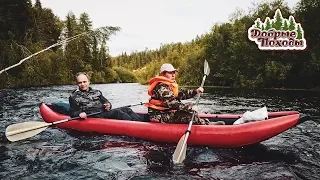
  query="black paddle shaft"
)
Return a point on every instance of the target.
[{"x": 95, "y": 113}]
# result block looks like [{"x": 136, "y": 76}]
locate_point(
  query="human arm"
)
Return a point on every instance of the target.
[
  {"x": 107, "y": 105},
  {"x": 187, "y": 94},
  {"x": 163, "y": 93}
]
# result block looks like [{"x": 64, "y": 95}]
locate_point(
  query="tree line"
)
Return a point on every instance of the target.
[
  {"x": 27, "y": 28},
  {"x": 236, "y": 61}
]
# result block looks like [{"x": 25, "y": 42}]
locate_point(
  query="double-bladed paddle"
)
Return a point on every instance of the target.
[
  {"x": 180, "y": 152},
  {"x": 19, "y": 131}
]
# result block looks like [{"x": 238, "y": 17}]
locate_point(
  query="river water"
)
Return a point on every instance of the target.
[{"x": 62, "y": 154}]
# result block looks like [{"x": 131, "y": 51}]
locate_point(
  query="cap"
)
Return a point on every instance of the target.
[{"x": 167, "y": 67}]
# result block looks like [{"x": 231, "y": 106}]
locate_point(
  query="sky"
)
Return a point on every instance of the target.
[{"x": 150, "y": 23}]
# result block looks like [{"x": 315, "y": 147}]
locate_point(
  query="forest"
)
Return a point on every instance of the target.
[{"x": 235, "y": 61}]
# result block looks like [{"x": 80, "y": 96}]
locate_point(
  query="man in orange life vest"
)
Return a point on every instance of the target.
[{"x": 165, "y": 105}]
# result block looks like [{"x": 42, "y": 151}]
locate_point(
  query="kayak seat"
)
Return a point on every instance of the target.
[{"x": 60, "y": 107}]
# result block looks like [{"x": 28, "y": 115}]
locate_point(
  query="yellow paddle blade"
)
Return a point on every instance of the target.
[
  {"x": 16, "y": 132},
  {"x": 180, "y": 153}
]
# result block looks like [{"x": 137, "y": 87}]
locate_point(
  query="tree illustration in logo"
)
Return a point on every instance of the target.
[
  {"x": 278, "y": 20},
  {"x": 268, "y": 24},
  {"x": 285, "y": 26},
  {"x": 258, "y": 23},
  {"x": 292, "y": 24},
  {"x": 299, "y": 31},
  {"x": 277, "y": 33},
  {"x": 279, "y": 23}
]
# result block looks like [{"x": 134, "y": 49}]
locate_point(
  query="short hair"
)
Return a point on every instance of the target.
[{"x": 82, "y": 73}]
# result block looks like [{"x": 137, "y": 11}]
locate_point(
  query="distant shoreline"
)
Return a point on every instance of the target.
[{"x": 187, "y": 86}]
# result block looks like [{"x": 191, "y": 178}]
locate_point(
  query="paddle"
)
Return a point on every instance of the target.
[
  {"x": 16, "y": 132},
  {"x": 180, "y": 152}
]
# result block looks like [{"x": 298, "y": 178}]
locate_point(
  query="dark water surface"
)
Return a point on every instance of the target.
[{"x": 61, "y": 154}]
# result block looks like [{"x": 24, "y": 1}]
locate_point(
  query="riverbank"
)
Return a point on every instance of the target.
[{"x": 182, "y": 86}]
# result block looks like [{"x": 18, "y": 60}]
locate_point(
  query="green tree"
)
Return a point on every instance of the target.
[
  {"x": 237, "y": 62},
  {"x": 15, "y": 32},
  {"x": 268, "y": 24},
  {"x": 299, "y": 31},
  {"x": 71, "y": 24},
  {"x": 285, "y": 26},
  {"x": 46, "y": 28},
  {"x": 258, "y": 23},
  {"x": 292, "y": 24},
  {"x": 85, "y": 46},
  {"x": 278, "y": 20}
]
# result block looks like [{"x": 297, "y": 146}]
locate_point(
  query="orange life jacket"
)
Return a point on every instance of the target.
[{"x": 155, "y": 103}]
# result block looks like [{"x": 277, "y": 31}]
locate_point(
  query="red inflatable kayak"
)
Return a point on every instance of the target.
[{"x": 223, "y": 136}]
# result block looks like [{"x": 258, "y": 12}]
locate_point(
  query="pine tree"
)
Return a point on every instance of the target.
[
  {"x": 268, "y": 24},
  {"x": 104, "y": 62},
  {"x": 45, "y": 29},
  {"x": 278, "y": 20},
  {"x": 85, "y": 22},
  {"x": 299, "y": 31},
  {"x": 71, "y": 23},
  {"x": 258, "y": 23},
  {"x": 86, "y": 41},
  {"x": 285, "y": 26},
  {"x": 292, "y": 24}
]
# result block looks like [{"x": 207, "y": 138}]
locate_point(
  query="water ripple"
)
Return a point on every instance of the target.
[{"x": 62, "y": 154}]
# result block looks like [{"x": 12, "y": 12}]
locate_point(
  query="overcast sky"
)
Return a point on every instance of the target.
[{"x": 150, "y": 23}]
